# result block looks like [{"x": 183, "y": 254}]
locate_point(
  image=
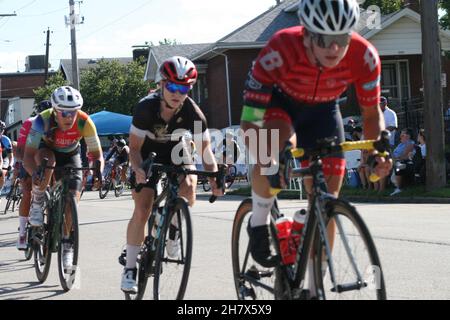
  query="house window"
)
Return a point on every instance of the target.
[
  {"x": 395, "y": 79},
  {"x": 199, "y": 91}
]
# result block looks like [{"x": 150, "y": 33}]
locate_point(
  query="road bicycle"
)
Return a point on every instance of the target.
[
  {"x": 14, "y": 195},
  {"x": 60, "y": 229},
  {"x": 344, "y": 267},
  {"x": 170, "y": 221}
]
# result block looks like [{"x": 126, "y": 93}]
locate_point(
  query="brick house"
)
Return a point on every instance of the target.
[
  {"x": 399, "y": 42},
  {"x": 17, "y": 98}
]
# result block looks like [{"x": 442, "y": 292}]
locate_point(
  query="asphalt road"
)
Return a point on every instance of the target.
[{"x": 413, "y": 242}]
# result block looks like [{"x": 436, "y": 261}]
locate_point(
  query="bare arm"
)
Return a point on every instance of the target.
[
  {"x": 136, "y": 160},
  {"x": 373, "y": 122}
]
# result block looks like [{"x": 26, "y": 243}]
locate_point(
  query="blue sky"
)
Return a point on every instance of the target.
[{"x": 112, "y": 27}]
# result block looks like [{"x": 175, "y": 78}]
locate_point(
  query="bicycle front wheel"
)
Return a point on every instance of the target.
[
  {"x": 173, "y": 254},
  {"x": 68, "y": 247},
  {"x": 105, "y": 187},
  {"x": 41, "y": 239},
  {"x": 357, "y": 268},
  {"x": 252, "y": 281}
]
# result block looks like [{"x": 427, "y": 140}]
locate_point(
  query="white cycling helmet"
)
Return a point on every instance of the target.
[
  {"x": 66, "y": 98},
  {"x": 331, "y": 17}
]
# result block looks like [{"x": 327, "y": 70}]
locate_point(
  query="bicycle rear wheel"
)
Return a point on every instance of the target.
[
  {"x": 41, "y": 244},
  {"x": 357, "y": 267},
  {"x": 9, "y": 200},
  {"x": 172, "y": 271},
  {"x": 252, "y": 281},
  {"x": 67, "y": 274}
]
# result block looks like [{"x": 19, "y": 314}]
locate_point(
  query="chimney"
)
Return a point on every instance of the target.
[{"x": 412, "y": 4}]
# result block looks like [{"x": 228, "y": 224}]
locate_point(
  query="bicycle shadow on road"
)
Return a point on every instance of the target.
[
  {"x": 26, "y": 290},
  {"x": 14, "y": 266}
]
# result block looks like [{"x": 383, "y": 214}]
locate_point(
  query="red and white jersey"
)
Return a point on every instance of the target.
[
  {"x": 24, "y": 131},
  {"x": 284, "y": 65}
]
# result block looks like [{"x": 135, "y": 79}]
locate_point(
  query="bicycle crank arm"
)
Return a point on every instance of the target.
[{"x": 349, "y": 287}]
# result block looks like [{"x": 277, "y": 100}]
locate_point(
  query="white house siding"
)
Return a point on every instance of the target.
[{"x": 400, "y": 38}]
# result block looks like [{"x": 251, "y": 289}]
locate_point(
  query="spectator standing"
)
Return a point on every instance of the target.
[{"x": 390, "y": 119}]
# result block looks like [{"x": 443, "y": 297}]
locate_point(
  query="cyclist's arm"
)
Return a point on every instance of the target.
[
  {"x": 373, "y": 122},
  {"x": 93, "y": 142},
  {"x": 32, "y": 146},
  {"x": 209, "y": 161}
]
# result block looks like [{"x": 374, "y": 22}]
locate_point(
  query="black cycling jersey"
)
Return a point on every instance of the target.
[
  {"x": 161, "y": 137},
  {"x": 122, "y": 156}
]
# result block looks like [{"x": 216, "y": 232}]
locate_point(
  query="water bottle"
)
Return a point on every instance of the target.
[
  {"x": 284, "y": 227},
  {"x": 297, "y": 227}
]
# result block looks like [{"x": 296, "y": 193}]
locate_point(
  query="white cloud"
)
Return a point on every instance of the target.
[{"x": 10, "y": 61}]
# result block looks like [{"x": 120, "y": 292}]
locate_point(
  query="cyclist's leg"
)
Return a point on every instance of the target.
[
  {"x": 188, "y": 187},
  {"x": 24, "y": 206},
  {"x": 39, "y": 187},
  {"x": 276, "y": 121},
  {"x": 143, "y": 202}
]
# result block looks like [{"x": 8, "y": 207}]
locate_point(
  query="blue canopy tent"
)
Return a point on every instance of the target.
[{"x": 111, "y": 124}]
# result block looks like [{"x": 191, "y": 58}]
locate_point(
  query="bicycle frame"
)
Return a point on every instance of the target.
[{"x": 57, "y": 197}]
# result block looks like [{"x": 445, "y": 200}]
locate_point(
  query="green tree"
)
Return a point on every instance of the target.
[
  {"x": 444, "y": 20},
  {"x": 386, "y": 6},
  {"x": 113, "y": 86},
  {"x": 53, "y": 82}
]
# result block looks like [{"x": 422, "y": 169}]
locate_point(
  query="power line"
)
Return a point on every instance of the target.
[
  {"x": 42, "y": 14},
  {"x": 27, "y": 5},
  {"x": 118, "y": 19}
]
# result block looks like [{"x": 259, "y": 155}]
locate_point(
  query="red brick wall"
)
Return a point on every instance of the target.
[
  {"x": 216, "y": 106},
  {"x": 20, "y": 85}
]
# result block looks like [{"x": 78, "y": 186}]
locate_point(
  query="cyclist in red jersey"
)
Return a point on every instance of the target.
[
  {"x": 25, "y": 179},
  {"x": 293, "y": 87}
]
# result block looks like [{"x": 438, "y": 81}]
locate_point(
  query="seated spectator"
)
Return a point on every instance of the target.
[
  {"x": 419, "y": 157},
  {"x": 348, "y": 129},
  {"x": 403, "y": 165}
]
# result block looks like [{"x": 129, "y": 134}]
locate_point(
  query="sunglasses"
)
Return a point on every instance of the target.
[
  {"x": 66, "y": 114},
  {"x": 174, "y": 87},
  {"x": 325, "y": 41}
]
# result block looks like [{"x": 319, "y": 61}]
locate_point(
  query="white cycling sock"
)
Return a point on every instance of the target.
[
  {"x": 132, "y": 254},
  {"x": 261, "y": 209},
  {"x": 22, "y": 225},
  {"x": 38, "y": 196}
]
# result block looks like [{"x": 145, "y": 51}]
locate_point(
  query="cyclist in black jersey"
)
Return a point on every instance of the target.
[
  {"x": 122, "y": 153},
  {"x": 159, "y": 122}
]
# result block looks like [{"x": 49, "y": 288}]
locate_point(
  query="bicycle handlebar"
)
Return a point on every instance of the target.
[
  {"x": 329, "y": 146},
  {"x": 149, "y": 167},
  {"x": 40, "y": 172}
]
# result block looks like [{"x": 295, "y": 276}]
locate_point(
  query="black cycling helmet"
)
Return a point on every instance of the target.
[
  {"x": 43, "y": 105},
  {"x": 121, "y": 143}
]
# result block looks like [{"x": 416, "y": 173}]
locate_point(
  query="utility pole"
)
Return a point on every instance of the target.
[
  {"x": 433, "y": 110},
  {"x": 73, "y": 36},
  {"x": 47, "y": 51}
]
